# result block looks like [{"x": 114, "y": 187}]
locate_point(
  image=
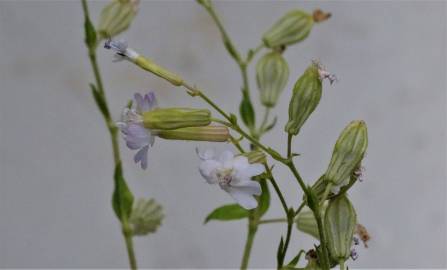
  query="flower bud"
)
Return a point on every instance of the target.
[
  {"x": 116, "y": 17},
  {"x": 305, "y": 98},
  {"x": 146, "y": 217},
  {"x": 207, "y": 133},
  {"x": 150, "y": 66},
  {"x": 293, "y": 27},
  {"x": 306, "y": 222},
  {"x": 173, "y": 118},
  {"x": 339, "y": 224},
  {"x": 348, "y": 152},
  {"x": 272, "y": 73},
  {"x": 255, "y": 156}
]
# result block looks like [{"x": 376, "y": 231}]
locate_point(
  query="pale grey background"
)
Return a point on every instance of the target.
[{"x": 56, "y": 166}]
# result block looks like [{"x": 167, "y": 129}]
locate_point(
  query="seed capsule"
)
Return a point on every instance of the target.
[
  {"x": 339, "y": 224},
  {"x": 174, "y": 118},
  {"x": 116, "y": 17},
  {"x": 208, "y": 133},
  {"x": 255, "y": 156},
  {"x": 305, "y": 98},
  {"x": 348, "y": 152},
  {"x": 272, "y": 73},
  {"x": 293, "y": 27},
  {"x": 152, "y": 67},
  {"x": 305, "y": 222}
]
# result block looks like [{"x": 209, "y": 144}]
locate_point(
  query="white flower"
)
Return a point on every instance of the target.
[{"x": 232, "y": 174}]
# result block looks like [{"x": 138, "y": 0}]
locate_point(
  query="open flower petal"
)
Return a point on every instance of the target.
[
  {"x": 208, "y": 170},
  {"x": 244, "y": 199}
]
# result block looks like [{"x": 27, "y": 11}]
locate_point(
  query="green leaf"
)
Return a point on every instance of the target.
[
  {"x": 90, "y": 33},
  {"x": 279, "y": 255},
  {"x": 227, "y": 212},
  {"x": 296, "y": 259},
  {"x": 122, "y": 198},
  {"x": 247, "y": 112},
  {"x": 100, "y": 102}
]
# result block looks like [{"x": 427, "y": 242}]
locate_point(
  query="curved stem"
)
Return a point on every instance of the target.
[{"x": 289, "y": 145}]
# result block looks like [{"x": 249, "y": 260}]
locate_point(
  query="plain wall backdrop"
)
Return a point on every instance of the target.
[{"x": 55, "y": 153}]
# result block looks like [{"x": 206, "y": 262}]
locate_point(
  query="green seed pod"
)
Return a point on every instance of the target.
[
  {"x": 255, "y": 156},
  {"x": 305, "y": 98},
  {"x": 293, "y": 27},
  {"x": 146, "y": 217},
  {"x": 207, "y": 133},
  {"x": 339, "y": 224},
  {"x": 348, "y": 152},
  {"x": 152, "y": 67},
  {"x": 116, "y": 17},
  {"x": 272, "y": 73},
  {"x": 173, "y": 118},
  {"x": 305, "y": 222}
]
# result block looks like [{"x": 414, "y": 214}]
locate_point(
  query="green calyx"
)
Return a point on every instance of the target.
[
  {"x": 174, "y": 118},
  {"x": 206, "y": 133},
  {"x": 116, "y": 17},
  {"x": 293, "y": 27},
  {"x": 305, "y": 98},
  {"x": 340, "y": 221},
  {"x": 272, "y": 73},
  {"x": 349, "y": 150}
]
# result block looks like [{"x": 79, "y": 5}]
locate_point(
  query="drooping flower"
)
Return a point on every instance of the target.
[
  {"x": 233, "y": 174},
  {"x": 138, "y": 137}
]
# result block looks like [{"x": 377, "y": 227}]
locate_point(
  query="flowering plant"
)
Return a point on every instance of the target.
[{"x": 246, "y": 173}]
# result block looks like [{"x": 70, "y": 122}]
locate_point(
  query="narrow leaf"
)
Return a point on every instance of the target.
[
  {"x": 122, "y": 198},
  {"x": 100, "y": 102},
  {"x": 246, "y": 111}
]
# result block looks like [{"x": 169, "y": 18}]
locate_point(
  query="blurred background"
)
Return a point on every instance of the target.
[{"x": 56, "y": 164}]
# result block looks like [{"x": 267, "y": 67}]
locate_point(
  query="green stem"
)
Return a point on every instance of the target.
[
  {"x": 113, "y": 130},
  {"x": 289, "y": 145},
  {"x": 325, "y": 259},
  {"x": 252, "y": 229},
  {"x": 342, "y": 264},
  {"x": 129, "y": 246},
  {"x": 264, "y": 121},
  {"x": 273, "y": 220}
]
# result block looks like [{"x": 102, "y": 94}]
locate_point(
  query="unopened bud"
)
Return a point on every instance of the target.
[
  {"x": 348, "y": 152},
  {"x": 146, "y": 217},
  {"x": 305, "y": 98},
  {"x": 116, "y": 17},
  {"x": 255, "y": 156},
  {"x": 207, "y": 133},
  {"x": 339, "y": 224},
  {"x": 173, "y": 118},
  {"x": 272, "y": 73},
  {"x": 293, "y": 27},
  {"x": 152, "y": 67}
]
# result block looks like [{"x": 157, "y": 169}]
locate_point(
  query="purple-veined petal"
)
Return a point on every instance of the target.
[
  {"x": 208, "y": 168},
  {"x": 139, "y": 102},
  {"x": 141, "y": 156},
  {"x": 244, "y": 199},
  {"x": 136, "y": 136},
  {"x": 150, "y": 101}
]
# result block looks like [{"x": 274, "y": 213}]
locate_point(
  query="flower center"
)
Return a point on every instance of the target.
[{"x": 225, "y": 177}]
